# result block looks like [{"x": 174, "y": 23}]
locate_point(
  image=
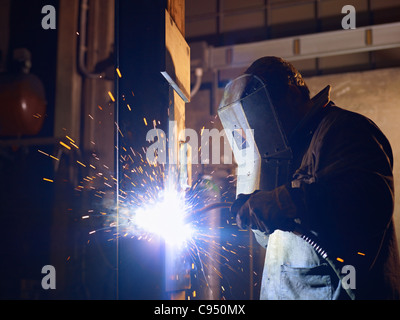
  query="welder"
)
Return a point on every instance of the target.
[{"x": 330, "y": 171}]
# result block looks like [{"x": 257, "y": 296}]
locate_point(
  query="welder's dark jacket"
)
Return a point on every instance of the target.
[{"x": 344, "y": 193}]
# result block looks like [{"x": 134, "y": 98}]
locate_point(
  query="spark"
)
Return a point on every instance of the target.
[
  {"x": 42, "y": 152},
  {"x": 119, "y": 73},
  {"x": 65, "y": 145},
  {"x": 119, "y": 130},
  {"x": 48, "y": 180},
  {"x": 81, "y": 164},
  {"x": 111, "y": 96},
  {"x": 73, "y": 141},
  {"x": 48, "y": 155}
]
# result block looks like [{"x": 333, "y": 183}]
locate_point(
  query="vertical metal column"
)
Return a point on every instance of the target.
[
  {"x": 139, "y": 56},
  {"x": 151, "y": 55}
]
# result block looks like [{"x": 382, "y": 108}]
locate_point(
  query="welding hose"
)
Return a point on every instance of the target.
[
  {"x": 311, "y": 240},
  {"x": 299, "y": 231},
  {"x": 213, "y": 206}
]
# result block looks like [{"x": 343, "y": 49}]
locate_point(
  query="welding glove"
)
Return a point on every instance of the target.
[{"x": 266, "y": 211}]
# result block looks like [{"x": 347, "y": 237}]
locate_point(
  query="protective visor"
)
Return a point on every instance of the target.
[{"x": 246, "y": 107}]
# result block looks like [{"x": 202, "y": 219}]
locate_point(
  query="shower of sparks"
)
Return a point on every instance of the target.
[{"x": 150, "y": 207}]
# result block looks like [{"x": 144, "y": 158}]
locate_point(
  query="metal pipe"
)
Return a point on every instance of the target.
[
  {"x": 199, "y": 77},
  {"x": 82, "y": 39},
  {"x": 213, "y": 206}
]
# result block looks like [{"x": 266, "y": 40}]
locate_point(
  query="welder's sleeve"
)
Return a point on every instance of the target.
[{"x": 348, "y": 197}]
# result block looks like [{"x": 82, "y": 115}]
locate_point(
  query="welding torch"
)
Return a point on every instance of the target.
[{"x": 213, "y": 206}]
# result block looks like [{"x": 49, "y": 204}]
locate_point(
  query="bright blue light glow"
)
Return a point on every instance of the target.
[{"x": 165, "y": 218}]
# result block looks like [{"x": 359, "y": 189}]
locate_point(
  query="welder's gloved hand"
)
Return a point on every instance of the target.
[{"x": 266, "y": 210}]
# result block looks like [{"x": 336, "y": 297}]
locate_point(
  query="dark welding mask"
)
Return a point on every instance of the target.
[{"x": 255, "y": 134}]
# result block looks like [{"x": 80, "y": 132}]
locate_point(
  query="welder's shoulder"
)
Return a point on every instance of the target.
[
  {"x": 343, "y": 124},
  {"x": 340, "y": 119},
  {"x": 337, "y": 122}
]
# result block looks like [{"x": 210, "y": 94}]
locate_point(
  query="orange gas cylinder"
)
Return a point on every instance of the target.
[{"x": 22, "y": 105}]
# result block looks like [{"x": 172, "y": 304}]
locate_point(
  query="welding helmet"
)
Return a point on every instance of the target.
[{"x": 255, "y": 134}]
